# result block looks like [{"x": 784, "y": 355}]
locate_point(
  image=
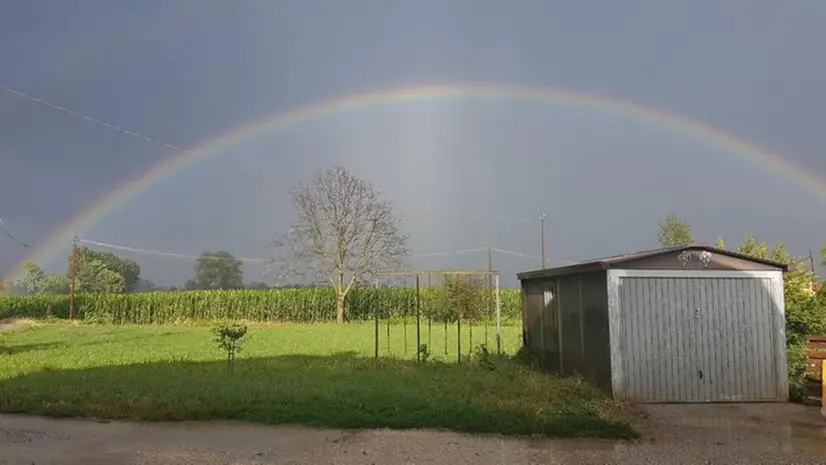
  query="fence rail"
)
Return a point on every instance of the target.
[{"x": 815, "y": 356}]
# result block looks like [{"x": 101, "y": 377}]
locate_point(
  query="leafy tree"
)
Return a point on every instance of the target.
[
  {"x": 754, "y": 248},
  {"x": 217, "y": 270},
  {"x": 129, "y": 270},
  {"x": 346, "y": 231},
  {"x": 258, "y": 285},
  {"x": 720, "y": 243},
  {"x": 465, "y": 296},
  {"x": 32, "y": 281},
  {"x": 55, "y": 283},
  {"x": 674, "y": 231},
  {"x": 36, "y": 281},
  {"x": 95, "y": 277},
  {"x": 781, "y": 254}
]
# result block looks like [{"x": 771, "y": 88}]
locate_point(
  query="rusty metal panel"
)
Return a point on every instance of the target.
[{"x": 697, "y": 337}]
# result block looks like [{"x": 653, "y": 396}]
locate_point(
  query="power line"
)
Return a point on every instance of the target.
[
  {"x": 12, "y": 236},
  {"x": 219, "y": 161},
  {"x": 452, "y": 252},
  {"x": 533, "y": 257},
  {"x": 120, "y": 129},
  {"x": 168, "y": 254},
  {"x": 267, "y": 261}
]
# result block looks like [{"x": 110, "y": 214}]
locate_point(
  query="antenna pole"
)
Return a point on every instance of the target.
[{"x": 542, "y": 225}]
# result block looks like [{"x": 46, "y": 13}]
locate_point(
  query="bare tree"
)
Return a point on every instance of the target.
[{"x": 346, "y": 231}]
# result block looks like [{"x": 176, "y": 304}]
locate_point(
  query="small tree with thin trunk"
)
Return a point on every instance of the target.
[
  {"x": 346, "y": 231},
  {"x": 674, "y": 231}
]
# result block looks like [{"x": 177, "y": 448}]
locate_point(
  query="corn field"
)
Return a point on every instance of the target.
[{"x": 304, "y": 305}]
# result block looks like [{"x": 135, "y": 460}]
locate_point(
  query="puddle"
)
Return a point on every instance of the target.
[
  {"x": 809, "y": 438},
  {"x": 730, "y": 428}
]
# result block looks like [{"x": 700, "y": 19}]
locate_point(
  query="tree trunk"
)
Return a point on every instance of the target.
[
  {"x": 340, "y": 296},
  {"x": 340, "y": 309}
]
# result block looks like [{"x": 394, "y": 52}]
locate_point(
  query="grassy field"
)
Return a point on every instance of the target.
[{"x": 315, "y": 375}]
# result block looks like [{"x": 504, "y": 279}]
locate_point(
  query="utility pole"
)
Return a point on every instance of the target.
[
  {"x": 490, "y": 266},
  {"x": 542, "y": 223},
  {"x": 73, "y": 277},
  {"x": 812, "y": 260}
]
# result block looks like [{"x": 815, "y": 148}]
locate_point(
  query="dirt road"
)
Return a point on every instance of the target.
[{"x": 746, "y": 434}]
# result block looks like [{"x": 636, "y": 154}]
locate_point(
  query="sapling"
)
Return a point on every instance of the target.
[{"x": 228, "y": 338}]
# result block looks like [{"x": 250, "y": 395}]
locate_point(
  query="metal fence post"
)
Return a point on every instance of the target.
[
  {"x": 418, "y": 324},
  {"x": 498, "y": 317},
  {"x": 376, "y": 317}
]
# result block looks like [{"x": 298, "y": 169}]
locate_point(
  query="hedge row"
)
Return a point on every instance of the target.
[{"x": 272, "y": 305}]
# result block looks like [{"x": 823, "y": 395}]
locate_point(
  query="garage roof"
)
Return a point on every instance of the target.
[{"x": 616, "y": 261}]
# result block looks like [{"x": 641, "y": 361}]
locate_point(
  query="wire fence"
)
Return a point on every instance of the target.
[
  {"x": 442, "y": 311},
  {"x": 418, "y": 315},
  {"x": 446, "y": 317}
]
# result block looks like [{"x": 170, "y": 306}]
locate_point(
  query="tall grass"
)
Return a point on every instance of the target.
[{"x": 270, "y": 305}]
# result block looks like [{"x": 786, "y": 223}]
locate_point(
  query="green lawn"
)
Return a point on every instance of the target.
[{"x": 316, "y": 375}]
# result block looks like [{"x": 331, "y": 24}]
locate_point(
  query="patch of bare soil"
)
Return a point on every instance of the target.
[
  {"x": 16, "y": 323},
  {"x": 674, "y": 434}
]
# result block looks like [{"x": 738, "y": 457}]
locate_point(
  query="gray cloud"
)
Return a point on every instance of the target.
[{"x": 185, "y": 75}]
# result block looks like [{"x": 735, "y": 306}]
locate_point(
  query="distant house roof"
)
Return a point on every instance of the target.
[{"x": 615, "y": 261}]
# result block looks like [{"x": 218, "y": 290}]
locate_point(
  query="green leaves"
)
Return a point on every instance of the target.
[
  {"x": 36, "y": 281},
  {"x": 129, "y": 270},
  {"x": 217, "y": 270},
  {"x": 94, "y": 277},
  {"x": 674, "y": 231},
  {"x": 228, "y": 338}
]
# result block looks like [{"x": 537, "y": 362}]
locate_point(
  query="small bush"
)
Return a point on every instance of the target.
[{"x": 228, "y": 338}]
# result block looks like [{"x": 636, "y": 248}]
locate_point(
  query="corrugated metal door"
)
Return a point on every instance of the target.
[{"x": 698, "y": 339}]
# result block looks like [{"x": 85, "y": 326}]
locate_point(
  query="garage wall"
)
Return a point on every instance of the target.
[
  {"x": 597, "y": 341},
  {"x": 571, "y": 328},
  {"x": 531, "y": 315},
  {"x": 697, "y": 336}
]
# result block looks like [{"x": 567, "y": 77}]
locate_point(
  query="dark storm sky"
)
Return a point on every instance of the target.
[{"x": 186, "y": 71}]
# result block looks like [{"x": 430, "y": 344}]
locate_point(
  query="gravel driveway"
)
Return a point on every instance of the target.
[{"x": 674, "y": 434}]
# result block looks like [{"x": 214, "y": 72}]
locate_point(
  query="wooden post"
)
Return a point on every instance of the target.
[{"x": 823, "y": 387}]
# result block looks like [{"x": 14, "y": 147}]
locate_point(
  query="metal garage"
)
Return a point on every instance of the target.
[{"x": 683, "y": 324}]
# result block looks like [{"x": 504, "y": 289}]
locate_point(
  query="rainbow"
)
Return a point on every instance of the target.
[{"x": 100, "y": 208}]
